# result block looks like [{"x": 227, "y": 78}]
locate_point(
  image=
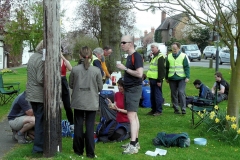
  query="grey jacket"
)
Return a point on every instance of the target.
[
  {"x": 35, "y": 78},
  {"x": 86, "y": 85}
]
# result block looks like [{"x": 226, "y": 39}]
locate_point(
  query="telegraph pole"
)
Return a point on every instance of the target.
[{"x": 52, "y": 79}]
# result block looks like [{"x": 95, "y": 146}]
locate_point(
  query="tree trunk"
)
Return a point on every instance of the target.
[
  {"x": 52, "y": 79},
  {"x": 110, "y": 32}
]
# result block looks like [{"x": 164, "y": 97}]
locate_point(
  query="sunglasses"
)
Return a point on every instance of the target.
[{"x": 125, "y": 42}]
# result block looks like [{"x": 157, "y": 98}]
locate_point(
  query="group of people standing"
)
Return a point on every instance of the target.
[
  {"x": 86, "y": 81},
  {"x": 176, "y": 71}
]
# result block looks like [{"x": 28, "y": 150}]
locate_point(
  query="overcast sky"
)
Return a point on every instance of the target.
[{"x": 144, "y": 20}]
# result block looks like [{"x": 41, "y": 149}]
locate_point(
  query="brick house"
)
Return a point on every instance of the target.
[{"x": 171, "y": 27}]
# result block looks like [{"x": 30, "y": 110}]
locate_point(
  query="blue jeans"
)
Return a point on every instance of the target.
[
  {"x": 156, "y": 96},
  {"x": 38, "y": 128}
]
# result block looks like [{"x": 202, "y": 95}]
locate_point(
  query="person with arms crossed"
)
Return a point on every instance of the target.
[
  {"x": 133, "y": 90},
  {"x": 21, "y": 118},
  {"x": 96, "y": 59},
  {"x": 177, "y": 75}
]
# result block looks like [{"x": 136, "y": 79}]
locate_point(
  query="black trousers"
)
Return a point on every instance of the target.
[
  {"x": 66, "y": 99},
  {"x": 82, "y": 139}
]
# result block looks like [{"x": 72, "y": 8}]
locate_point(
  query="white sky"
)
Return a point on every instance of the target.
[{"x": 144, "y": 20}]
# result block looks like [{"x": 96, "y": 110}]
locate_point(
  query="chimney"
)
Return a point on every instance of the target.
[
  {"x": 152, "y": 30},
  {"x": 163, "y": 16},
  {"x": 145, "y": 33}
]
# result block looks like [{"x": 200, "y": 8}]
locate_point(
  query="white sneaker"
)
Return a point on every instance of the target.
[
  {"x": 130, "y": 150},
  {"x": 71, "y": 127},
  {"x": 126, "y": 145}
]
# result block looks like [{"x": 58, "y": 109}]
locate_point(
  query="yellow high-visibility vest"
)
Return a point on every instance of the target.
[
  {"x": 176, "y": 65},
  {"x": 153, "y": 68}
]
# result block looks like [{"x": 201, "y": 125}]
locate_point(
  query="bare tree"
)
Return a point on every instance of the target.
[{"x": 220, "y": 16}]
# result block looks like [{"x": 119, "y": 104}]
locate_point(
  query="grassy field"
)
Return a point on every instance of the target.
[{"x": 150, "y": 126}]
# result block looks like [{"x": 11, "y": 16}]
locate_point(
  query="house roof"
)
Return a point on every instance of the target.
[{"x": 171, "y": 22}]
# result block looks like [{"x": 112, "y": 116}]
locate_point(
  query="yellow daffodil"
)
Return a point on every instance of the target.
[
  {"x": 228, "y": 117},
  {"x": 199, "y": 113},
  {"x": 216, "y": 107},
  {"x": 217, "y": 120},
  {"x": 234, "y": 126},
  {"x": 204, "y": 111},
  {"x": 238, "y": 131},
  {"x": 233, "y": 119},
  {"x": 211, "y": 116}
]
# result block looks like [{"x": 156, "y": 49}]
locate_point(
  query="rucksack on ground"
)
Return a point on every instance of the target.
[
  {"x": 111, "y": 130},
  {"x": 66, "y": 132},
  {"x": 171, "y": 140}
]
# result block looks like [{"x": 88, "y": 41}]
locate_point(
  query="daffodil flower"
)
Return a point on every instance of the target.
[
  {"x": 217, "y": 120},
  {"x": 234, "y": 126},
  {"x": 228, "y": 117},
  {"x": 233, "y": 119},
  {"x": 216, "y": 107}
]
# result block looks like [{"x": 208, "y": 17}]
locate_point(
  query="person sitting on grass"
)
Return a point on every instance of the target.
[
  {"x": 204, "y": 92},
  {"x": 118, "y": 105},
  {"x": 221, "y": 87},
  {"x": 21, "y": 119},
  {"x": 145, "y": 100}
]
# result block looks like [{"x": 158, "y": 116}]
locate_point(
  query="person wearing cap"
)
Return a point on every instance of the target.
[{"x": 156, "y": 75}]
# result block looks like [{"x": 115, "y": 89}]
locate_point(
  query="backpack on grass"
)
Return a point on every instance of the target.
[
  {"x": 171, "y": 140},
  {"x": 66, "y": 132},
  {"x": 111, "y": 130}
]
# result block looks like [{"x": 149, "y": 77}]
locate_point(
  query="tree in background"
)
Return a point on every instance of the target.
[
  {"x": 158, "y": 36},
  {"x": 219, "y": 16},
  {"x": 107, "y": 20}
]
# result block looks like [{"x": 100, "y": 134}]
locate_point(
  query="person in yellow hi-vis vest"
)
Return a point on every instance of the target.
[
  {"x": 177, "y": 75},
  {"x": 155, "y": 74}
]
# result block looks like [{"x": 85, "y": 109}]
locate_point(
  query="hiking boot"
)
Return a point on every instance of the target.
[
  {"x": 126, "y": 145},
  {"x": 157, "y": 114},
  {"x": 21, "y": 139},
  {"x": 177, "y": 112},
  {"x": 150, "y": 113},
  {"x": 130, "y": 149}
]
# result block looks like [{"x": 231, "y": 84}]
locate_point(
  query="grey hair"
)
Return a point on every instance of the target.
[
  {"x": 39, "y": 47},
  {"x": 98, "y": 51},
  {"x": 154, "y": 45}
]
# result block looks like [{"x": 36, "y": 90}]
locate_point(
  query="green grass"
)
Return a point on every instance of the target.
[{"x": 149, "y": 127}]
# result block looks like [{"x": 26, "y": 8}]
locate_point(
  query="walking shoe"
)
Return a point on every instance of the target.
[
  {"x": 177, "y": 112},
  {"x": 13, "y": 135},
  {"x": 130, "y": 150},
  {"x": 71, "y": 127},
  {"x": 127, "y": 144},
  {"x": 157, "y": 114},
  {"x": 150, "y": 113},
  {"x": 21, "y": 139}
]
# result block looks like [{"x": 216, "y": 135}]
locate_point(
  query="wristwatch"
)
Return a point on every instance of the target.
[{"x": 126, "y": 69}]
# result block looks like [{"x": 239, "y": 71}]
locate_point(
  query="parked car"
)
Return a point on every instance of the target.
[
  {"x": 210, "y": 52},
  {"x": 192, "y": 51},
  {"x": 224, "y": 55}
]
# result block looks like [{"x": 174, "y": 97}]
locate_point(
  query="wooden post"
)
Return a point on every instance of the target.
[
  {"x": 211, "y": 63},
  {"x": 52, "y": 79}
]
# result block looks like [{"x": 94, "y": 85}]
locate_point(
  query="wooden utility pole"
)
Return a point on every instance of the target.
[{"x": 52, "y": 79}]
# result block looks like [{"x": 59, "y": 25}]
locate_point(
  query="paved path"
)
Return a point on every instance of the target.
[{"x": 6, "y": 142}]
